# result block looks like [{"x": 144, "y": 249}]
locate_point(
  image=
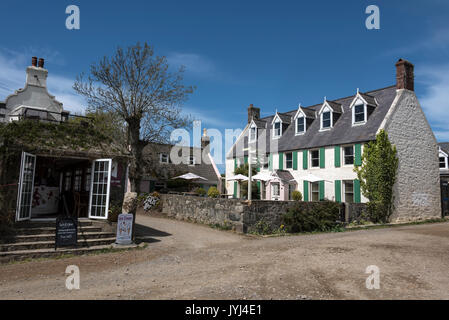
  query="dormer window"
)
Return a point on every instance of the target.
[
  {"x": 163, "y": 158},
  {"x": 300, "y": 125},
  {"x": 253, "y": 134},
  {"x": 326, "y": 120},
  {"x": 277, "y": 132},
  {"x": 359, "y": 113},
  {"x": 362, "y": 106}
]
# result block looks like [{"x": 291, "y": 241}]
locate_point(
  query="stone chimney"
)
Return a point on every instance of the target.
[
  {"x": 253, "y": 113},
  {"x": 405, "y": 78},
  {"x": 36, "y": 74},
  {"x": 205, "y": 140}
]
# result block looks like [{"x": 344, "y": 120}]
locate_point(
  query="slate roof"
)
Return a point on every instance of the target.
[
  {"x": 444, "y": 146},
  {"x": 284, "y": 175},
  {"x": 369, "y": 99},
  {"x": 335, "y": 106},
  {"x": 171, "y": 170},
  {"x": 342, "y": 133}
]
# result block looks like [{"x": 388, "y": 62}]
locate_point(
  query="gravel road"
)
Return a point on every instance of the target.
[{"x": 190, "y": 261}]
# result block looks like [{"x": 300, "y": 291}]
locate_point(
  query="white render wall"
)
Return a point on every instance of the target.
[
  {"x": 417, "y": 190},
  {"x": 330, "y": 173}
]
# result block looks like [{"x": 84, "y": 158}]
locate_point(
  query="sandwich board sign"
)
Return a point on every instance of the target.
[
  {"x": 124, "y": 229},
  {"x": 66, "y": 232}
]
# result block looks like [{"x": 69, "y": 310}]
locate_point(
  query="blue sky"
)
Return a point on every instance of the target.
[{"x": 274, "y": 54}]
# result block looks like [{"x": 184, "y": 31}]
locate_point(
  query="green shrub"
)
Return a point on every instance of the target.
[
  {"x": 297, "y": 195},
  {"x": 262, "y": 227},
  {"x": 114, "y": 212},
  {"x": 200, "y": 191},
  {"x": 213, "y": 192},
  {"x": 310, "y": 217}
]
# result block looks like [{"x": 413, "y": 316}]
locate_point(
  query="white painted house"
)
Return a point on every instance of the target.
[{"x": 314, "y": 149}]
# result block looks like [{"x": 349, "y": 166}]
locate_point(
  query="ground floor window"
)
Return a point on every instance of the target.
[
  {"x": 349, "y": 191},
  {"x": 276, "y": 189},
  {"x": 315, "y": 191}
]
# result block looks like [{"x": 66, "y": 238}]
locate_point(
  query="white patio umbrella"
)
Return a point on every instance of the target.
[
  {"x": 239, "y": 177},
  {"x": 311, "y": 178},
  {"x": 263, "y": 176},
  {"x": 190, "y": 176}
]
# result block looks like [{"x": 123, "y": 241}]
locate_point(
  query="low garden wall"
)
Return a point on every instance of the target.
[{"x": 238, "y": 215}]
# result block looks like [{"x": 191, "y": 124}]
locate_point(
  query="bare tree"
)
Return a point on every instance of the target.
[{"x": 138, "y": 86}]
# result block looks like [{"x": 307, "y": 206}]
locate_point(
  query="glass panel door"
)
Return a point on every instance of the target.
[
  {"x": 100, "y": 187},
  {"x": 26, "y": 187}
]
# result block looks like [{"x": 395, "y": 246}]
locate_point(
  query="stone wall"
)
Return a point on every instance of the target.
[
  {"x": 223, "y": 212},
  {"x": 241, "y": 216},
  {"x": 417, "y": 190}
]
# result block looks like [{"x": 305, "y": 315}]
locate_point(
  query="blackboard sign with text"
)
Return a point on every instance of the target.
[{"x": 66, "y": 232}]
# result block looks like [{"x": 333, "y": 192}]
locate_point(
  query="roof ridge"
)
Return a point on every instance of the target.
[{"x": 314, "y": 105}]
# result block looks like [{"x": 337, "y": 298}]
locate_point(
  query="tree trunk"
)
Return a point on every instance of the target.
[{"x": 135, "y": 169}]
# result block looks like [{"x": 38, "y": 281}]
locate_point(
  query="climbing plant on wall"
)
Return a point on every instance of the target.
[{"x": 377, "y": 176}]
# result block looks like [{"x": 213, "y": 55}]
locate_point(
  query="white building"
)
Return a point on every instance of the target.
[{"x": 314, "y": 149}]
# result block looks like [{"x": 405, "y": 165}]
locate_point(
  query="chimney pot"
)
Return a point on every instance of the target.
[
  {"x": 34, "y": 61},
  {"x": 405, "y": 77},
  {"x": 41, "y": 62},
  {"x": 253, "y": 113}
]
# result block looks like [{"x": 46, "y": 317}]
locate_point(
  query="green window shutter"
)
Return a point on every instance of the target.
[
  {"x": 270, "y": 162},
  {"x": 321, "y": 190},
  {"x": 235, "y": 164},
  {"x": 258, "y": 168},
  {"x": 358, "y": 154},
  {"x": 357, "y": 196},
  {"x": 337, "y": 156},
  {"x": 322, "y": 158},
  {"x": 246, "y": 160},
  {"x": 235, "y": 189},
  {"x": 281, "y": 161},
  {"x": 295, "y": 160},
  {"x": 306, "y": 191},
  {"x": 305, "y": 160},
  {"x": 258, "y": 186},
  {"x": 338, "y": 190}
]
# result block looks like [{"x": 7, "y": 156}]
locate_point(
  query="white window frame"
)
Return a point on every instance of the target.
[
  {"x": 278, "y": 184},
  {"x": 290, "y": 153},
  {"x": 311, "y": 159},
  {"x": 296, "y": 125},
  {"x": 442, "y": 154},
  {"x": 343, "y": 160},
  {"x": 325, "y": 110},
  {"x": 251, "y": 139},
  {"x": 365, "y": 114},
  {"x": 161, "y": 157},
  {"x": 22, "y": 216},
  {"x": 344, "y": 190},
  {"x": 275, "y": 136},
  {"x": 311, "y": 184},
  {"x": 108, "y": 190}
]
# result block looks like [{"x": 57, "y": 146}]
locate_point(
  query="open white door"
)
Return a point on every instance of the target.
[
  {"x": 99, "y": 190},
  {"x": 26, "y": 187}
]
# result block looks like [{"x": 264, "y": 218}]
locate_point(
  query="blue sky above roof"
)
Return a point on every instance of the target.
[{"x": 273, "y": 54}]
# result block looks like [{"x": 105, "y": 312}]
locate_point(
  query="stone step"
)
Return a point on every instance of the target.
[
  {"x": 50, "y": 244},
  {"x": 51, "y": 237},
  {"x": 46, "y": 224},
  {"x": 47, "y": 230},
  {"x": 20, "y": 255}
]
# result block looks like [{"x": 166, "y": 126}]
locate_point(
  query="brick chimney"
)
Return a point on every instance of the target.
[
  {"x": 34, "y": 61},
  {"x": 41, "y": 62},
  {"x": 405, "y": 78},
  {"x": 253, "y": 113}
]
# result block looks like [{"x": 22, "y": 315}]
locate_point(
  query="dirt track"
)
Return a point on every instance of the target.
[{"x": 188, "y": 261}]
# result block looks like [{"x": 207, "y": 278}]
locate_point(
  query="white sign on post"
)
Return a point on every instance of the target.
[{"x": 124, "y": 229}]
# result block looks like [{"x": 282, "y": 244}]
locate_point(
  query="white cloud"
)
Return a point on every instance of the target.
[
  {"x": 435, "y": 101},
  {"x": 13, "y": 74},
  {"x": 194, "y": 63}
]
